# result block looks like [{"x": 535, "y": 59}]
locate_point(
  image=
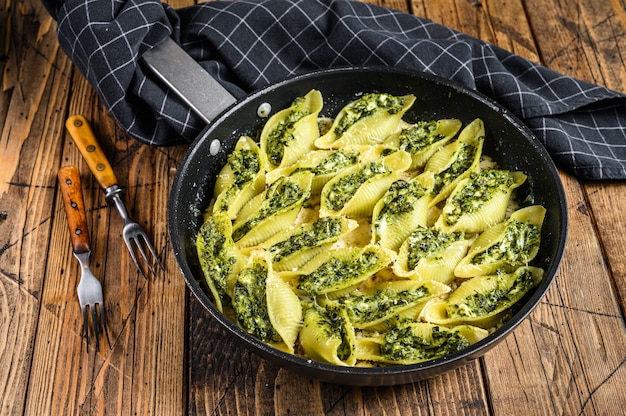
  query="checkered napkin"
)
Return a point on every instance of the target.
[{"x": 247, "y": 45}]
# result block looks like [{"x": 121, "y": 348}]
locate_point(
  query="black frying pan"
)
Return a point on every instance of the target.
[{"x": 508, "y": 141}]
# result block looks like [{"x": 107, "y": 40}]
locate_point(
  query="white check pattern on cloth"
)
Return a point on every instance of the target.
[{"x": 248, "y": 45}]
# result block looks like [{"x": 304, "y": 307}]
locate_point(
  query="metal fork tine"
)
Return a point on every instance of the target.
[
  {"x": 152, "y": 251},
  {"x": 96, "y": 326},
  {"x": 86, "y": 326},
  {"x": 134, "y": 236},
  {"x": 142, "y": 251},
  {"x": 134, "y": 257}
]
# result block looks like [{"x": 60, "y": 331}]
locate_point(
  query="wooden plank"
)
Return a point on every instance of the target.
[
  {"x": 144, "y": 371},
  {"x": 30, "y": 144},
  {"x": 144, "y": 316}
]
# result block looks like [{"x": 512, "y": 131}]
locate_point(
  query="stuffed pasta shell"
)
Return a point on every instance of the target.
[
  {"x": 327, "y": 335},
  {"x": 295, "y": 246},
  {"x": 422, "y": 139},
  {"x": 361, "y": 238},
  {"x": 220, "y": 260},
  {"x": 291, "y": 133},
  {"x": 456, "y": 160},
  {"x": 384, "y": 303},
  {"x": 355, "y": 191},
  {"x": 479, "y": 201},
  {"x": 483, "y": 300},
  {"x": 264, "y": 305},
  {"x": 240, "y": 179},
  {"x": 366, "y": 120},
  {"x": 323, "y": 164},
  {"x": 277, "y": 209},
  {"x": 431, "y": 254},
  {"x": 342, "y": 269},
  {"x": 416, "y": 342},
  {"x": 401, "y": 209},
  {"x": 506, "y": 245}
]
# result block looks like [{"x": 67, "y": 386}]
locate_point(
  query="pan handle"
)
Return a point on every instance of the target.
[{"x": 188, "y": 79}]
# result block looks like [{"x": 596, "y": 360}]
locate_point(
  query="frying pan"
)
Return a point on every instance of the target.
[{"x": 507, "y": 141}]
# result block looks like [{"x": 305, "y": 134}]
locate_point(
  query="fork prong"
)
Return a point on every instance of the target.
[
  {"x": 131, "y": 250},
  {"x": 86, "y": 325},
  {"x": 103, "y": 321},
  {"x": 96, "y": 326},
  {"x": 153, "y": 252},
  {"x": 136, "y": 240}
]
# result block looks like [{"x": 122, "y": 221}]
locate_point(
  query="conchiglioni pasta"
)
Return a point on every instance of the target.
[
  {"x": 479, "y": 201},
  {"x": 456, "y": 160},
  {"x": 369, "y": 119},
  {"x": 401, "y": 209},
  {"x": 242, "y": 178},
  {"x": 370, "y": 241},
  {"x": 422, "y": 139},
  {"x": 290, "y": 133}
]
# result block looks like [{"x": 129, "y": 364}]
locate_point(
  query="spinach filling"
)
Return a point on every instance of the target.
[
  {"x": 281, "y": 195},
  {"x": 519, "y": 241},
  {"x": 384, "y": 303},
  {"x": 400, "y": 198},
  {"x": 419, "y": 137},
  {"x": 405, "y": 344},
  {"x": 245, "y": 165},
  {"x": 477, "y": 192},
  {"x": 250, "y": 304},
  {"x": 334, "y": 323},
  {"x": 483, "y": 303},
  {"x": 282, "y": 134},
  {"x": 366, "y": 106},
  {"x": 321, "y": 231},
  {"x": 334, "y": 163},
  {"x": 344, "y": 189},
  {"x": 462, "y": 162},
  {"x": 424, "y": 242},
  {"x": 216, "y": 262},
  {"x": 336, "y": 273}
]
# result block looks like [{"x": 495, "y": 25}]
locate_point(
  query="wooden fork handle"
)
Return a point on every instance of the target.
[
  {"x": 87, "y": 143},
  {"x": 69, "y": 182}
]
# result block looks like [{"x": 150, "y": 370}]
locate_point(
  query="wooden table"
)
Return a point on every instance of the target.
[{"x": 168, "y": 356}]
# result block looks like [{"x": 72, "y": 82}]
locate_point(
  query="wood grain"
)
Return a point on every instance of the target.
[{"x": 169, "y": 356}]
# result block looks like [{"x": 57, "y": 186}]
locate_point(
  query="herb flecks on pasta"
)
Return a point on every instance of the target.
[{"x": 374, "y": 241}]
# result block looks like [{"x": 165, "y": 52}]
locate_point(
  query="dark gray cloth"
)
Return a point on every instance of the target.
[{"x": 247, "y": 45}]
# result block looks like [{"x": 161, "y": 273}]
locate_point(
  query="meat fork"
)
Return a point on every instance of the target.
[
  {"x": 135, "y": 236},
  {"x": 89, "y": 288}
]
